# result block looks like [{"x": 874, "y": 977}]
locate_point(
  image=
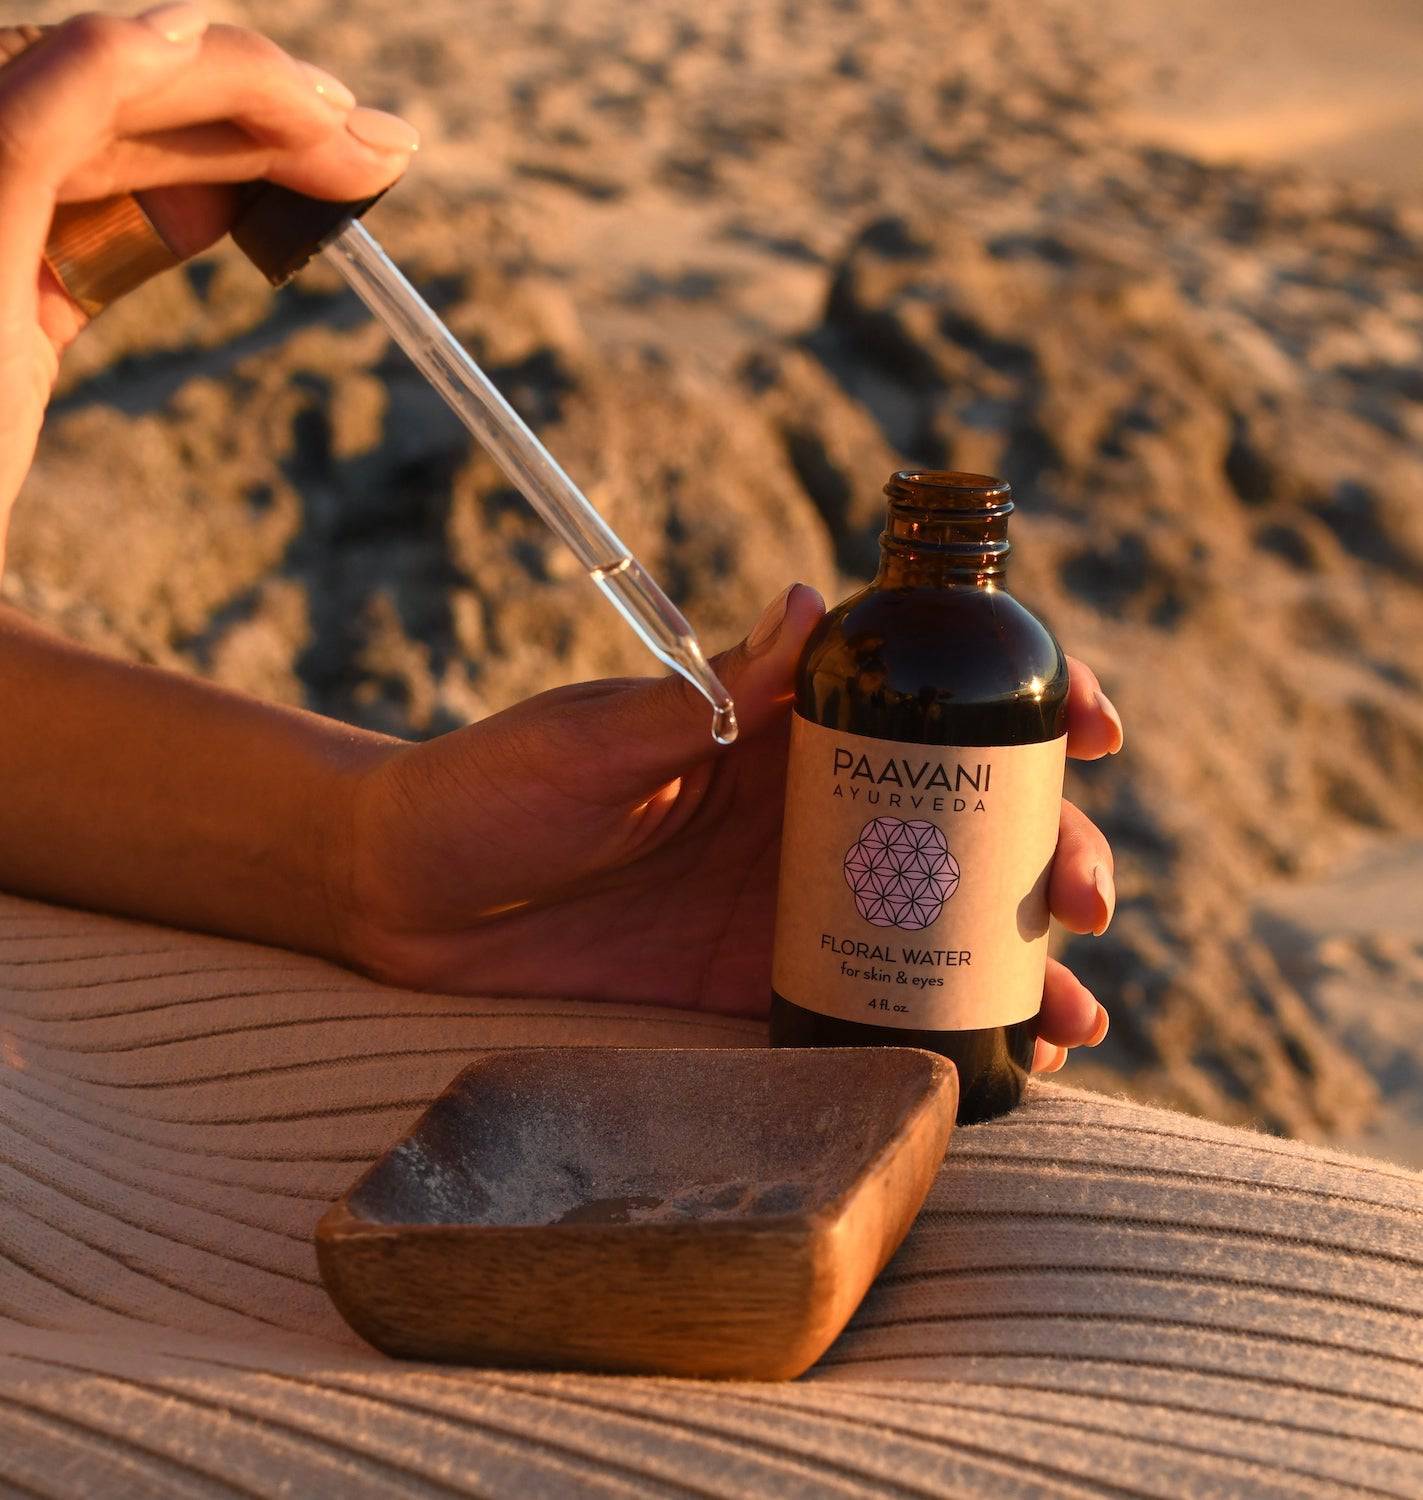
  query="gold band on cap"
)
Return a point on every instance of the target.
[{"x": 98, "y": 251}]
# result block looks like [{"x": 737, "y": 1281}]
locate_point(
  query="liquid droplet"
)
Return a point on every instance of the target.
[{"x": 724, "y": 723}]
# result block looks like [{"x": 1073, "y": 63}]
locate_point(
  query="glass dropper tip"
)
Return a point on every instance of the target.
[
  {"x": 724, "y": 726},
  {"x": 689, "y": 662}
]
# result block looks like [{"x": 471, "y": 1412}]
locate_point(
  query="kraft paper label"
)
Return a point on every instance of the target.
[{"x": 914, "y": 879}]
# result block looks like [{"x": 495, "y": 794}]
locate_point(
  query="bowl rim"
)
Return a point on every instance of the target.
[{"x": 341, "y": 1224}]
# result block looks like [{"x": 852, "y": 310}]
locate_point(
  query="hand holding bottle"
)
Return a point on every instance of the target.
[{"x": 594, "y": 842}]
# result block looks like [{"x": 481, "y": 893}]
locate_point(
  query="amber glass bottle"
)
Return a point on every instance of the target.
[{"x": 925, "y": 774}]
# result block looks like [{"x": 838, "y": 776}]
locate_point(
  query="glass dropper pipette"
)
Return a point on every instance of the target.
[
  {"x": 279, "y": 230},
  {"x": 530, "y": 467}
]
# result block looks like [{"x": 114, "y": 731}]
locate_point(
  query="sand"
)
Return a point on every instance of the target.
[
  {"x": 1333, "y": 88},
  {"x": 737, "y": 262},
  {"x": 1353, "y": 944}
]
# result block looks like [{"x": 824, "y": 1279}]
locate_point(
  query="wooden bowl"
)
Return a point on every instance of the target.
[{"x": 714, "y": 1212}]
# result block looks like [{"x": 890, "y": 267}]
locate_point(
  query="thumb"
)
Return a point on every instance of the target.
[{"x": 664, "y": 726}]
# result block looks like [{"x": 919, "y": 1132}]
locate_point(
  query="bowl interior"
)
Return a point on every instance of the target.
[{"x": 570, "y": 1135}]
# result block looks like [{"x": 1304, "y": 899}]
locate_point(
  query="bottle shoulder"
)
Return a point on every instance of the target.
[{"x": 936, "y": 665}]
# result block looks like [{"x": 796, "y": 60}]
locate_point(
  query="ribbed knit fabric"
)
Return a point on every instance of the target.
[{"x": 1098, "y": 1298}]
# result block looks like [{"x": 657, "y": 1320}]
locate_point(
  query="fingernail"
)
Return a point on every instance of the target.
[
  {"x": 178, "y": 22},
  {"x": 1107, "y": 895},
  {"x": 763, "y": 632},
  {"x": 332, "y": 90},
  {"x": 1105, "y": 704},
  {"x": 383, "y": 132},
  {"x": 1100, "y": 1029},
  {"x": 1056, "y": 1065}
]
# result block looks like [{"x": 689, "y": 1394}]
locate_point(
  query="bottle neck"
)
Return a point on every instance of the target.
[{"x": 945, "y": 530}]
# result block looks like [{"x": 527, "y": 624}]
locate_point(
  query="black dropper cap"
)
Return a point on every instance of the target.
[{"x": 279, "y": 230}]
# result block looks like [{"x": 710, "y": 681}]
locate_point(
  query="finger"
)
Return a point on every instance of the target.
[
  {"x": 1094, "y": 727},
  {"x": 244, "y": 77},
  {"x": 652, "y": 730},
  {"x": 244, "y": 90},
  {"x": 337, "y": 166},
  {"x": 1047, "y": 1058},
  {"x": 58, "y": 102},
  {"x": 243, "y": 80},
  {"x": 1082, "y": 892},
  {"x": 246, "y": 109},
  {"x": 1071, "y": 1015},
  {"x": 669, "y": 719}
]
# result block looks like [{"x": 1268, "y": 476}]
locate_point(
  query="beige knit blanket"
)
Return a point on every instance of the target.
[{"x": 1098, "y": 1298}]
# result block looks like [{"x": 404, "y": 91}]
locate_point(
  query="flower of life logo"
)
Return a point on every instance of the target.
[{"x": 901, "y": 872}]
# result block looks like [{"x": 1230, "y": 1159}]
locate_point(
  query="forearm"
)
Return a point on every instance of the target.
[{"x": 134, "y": 790}]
